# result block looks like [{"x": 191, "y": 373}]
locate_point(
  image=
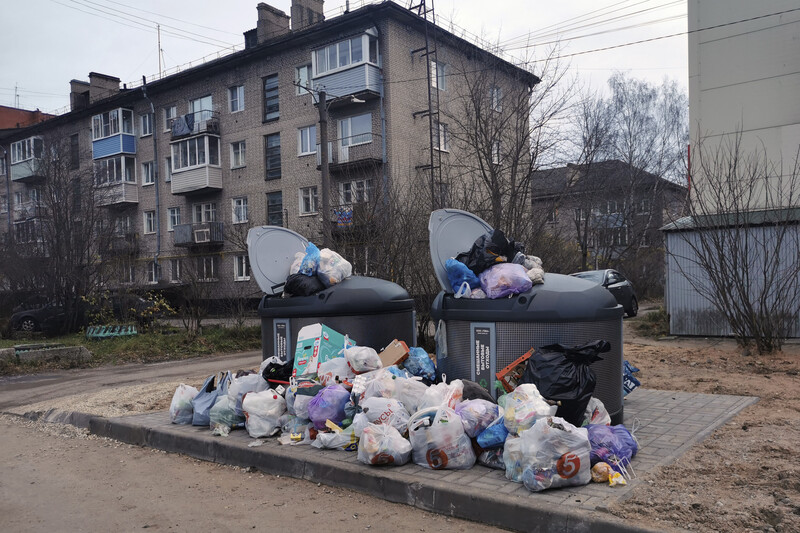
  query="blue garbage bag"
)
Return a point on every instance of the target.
[
  {"x": 629, "y": 381},
  {"x": 611, "y": 444},
  {"x": 494, "y": 436},
  {"x": 310, "y": 262},
  {"x": 458, "y": 273},
  {"x": 420, "y": 364}
]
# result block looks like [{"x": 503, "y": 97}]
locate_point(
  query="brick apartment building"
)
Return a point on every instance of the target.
[{"x": 234, "y": 143}]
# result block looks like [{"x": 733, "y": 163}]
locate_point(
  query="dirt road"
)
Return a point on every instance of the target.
[{"x": 57, "y": 478}]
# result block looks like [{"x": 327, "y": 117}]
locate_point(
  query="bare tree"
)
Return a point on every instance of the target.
[{"x": 741, "y": 247}]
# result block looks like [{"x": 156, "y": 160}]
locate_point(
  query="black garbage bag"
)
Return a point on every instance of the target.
[
  {"x": 473, "y": 391},
  {"x": 562, "y": 374},
  {"x": 488, "y": 250},
  {"x": 277, "y": 371},
  {"x": 302, "y": 285}
]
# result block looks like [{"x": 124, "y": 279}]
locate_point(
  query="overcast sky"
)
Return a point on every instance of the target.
[{"x": 50, "y": 42}]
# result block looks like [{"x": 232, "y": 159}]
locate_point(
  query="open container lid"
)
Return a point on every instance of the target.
[
  {"x": 450, "y": 232},
  {"x": 271, "y": 250}
]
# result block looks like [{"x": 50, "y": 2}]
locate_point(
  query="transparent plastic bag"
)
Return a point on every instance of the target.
[
  {"x": 386, "y": 411},
  {"x": 418, "y": 363},
  {"x": 224, "y": 415},
  {"x": 523, "y": 406},
  {"x": 382, "y": 444},
  {"x": 310, "y": 262},
  {"x": 262, "y": 411},
  {"x": 505, "y": 279},
  {"x": 298, "y": 260},
  {"x": 438, "y": 440},
  {"x": 336, "y": 370},
  {"x": 555, "y": 454},
  {"x": 337, "y": 440},
  {"x": 596, "y": 413},
  {"x": 410, "y": 391},
  {"x": 241, "y": 386},
  {"x": 333, "y": 268},
  {"x": 442, "y": 394},
  {"x": 328, "y": 405},
  {"x": 362, "y": 358},
  {"x": 180, "y": 409},
  {"x": 476, "y": 415}
]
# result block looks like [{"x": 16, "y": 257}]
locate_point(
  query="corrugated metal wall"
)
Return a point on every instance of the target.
[{"x": 691, "y": 313}]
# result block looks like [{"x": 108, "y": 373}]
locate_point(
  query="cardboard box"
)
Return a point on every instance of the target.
[
  {"x": 395, "y": 353},
  {"x": 316, "y": 343}
]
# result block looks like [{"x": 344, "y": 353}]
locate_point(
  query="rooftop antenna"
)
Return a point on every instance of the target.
[{"x": 160, "y": 51}]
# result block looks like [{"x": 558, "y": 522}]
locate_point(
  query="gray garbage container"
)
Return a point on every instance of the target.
[
  {"x": 372, "y": 311},
  {"x": 481, "y": 337}
]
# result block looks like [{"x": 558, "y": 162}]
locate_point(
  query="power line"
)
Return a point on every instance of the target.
[{"x": 173, "y": 18}]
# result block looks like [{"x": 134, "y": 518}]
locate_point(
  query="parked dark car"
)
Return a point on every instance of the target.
[
  {"x": 46, "y": 317},
  {"x": 37, "y": 314},
  {"x": 617, "y": 284}
]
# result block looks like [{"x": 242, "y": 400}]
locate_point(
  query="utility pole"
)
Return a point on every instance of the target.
[
  {"x": 158, "y": 30},
  {"x": 323, "y": 148}
]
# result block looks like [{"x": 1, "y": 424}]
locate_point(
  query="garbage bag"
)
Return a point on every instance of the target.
[
  {"x": 420, "y": 364},
  {"x": 562, "y": 374},
  {"x": 473, "y": 391},
  {"x": 224, "y": 415},
  {"x": 382, "y": 385},
  {"x": 336, "y": 370},
  {"x": 204, "y": 401},
  {"x": 291, "y": 424},
  {"x": 442, "y": 394},
  {"x": 476, "y": 415},
  {"x": 333, "y": 268},
  {"x": 386, "y": 411},
  {"x": 524, "y": 405},
  {"x": 513, "y": 459},
  {"x": 596, "y": 413},
  {"x": 274, "y": 369},
  {"x": 298, "y": 260},
  {"x": 458, "y": 274},
  {"x": 438, "y": 440},
  {"x": 493, "y": 436},
  {"x": 555, "y": 454},
  {"x": 629, "y": 381},
  {"x": 328, "y": 404},
  {"x": 503, "y": 280},
  {"x": 612, "y": 444},
  {"x": 492, "y": 458},
  {"x": 382, "y": 444},
  {"x": 489, "y": 249},
  {"x": 362, "y": 358},
  {"x": 409, "y": 392},
  {"x": 180, "y": 409},
  {"x": 337, "y": 440},
  {"x": 262, "y": 411},
  {"x": 302, "y": 393},
  {"x": 360, "y": 421},
  {"x": 241, "y": 386},
  {"x": 302, "y": 285},
  {"x": 310, "y": 263}
]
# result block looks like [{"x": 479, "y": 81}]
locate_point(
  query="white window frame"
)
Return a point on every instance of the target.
[
  {"x": 307, "y": 135},
  {"x": 26, "y": 149},
  {"x": 497, "y": 99},
  {"x": 102, "y": 176},
  {"x": 168, "y": 171},
  {"x": 148, "y": 173},
  {"x": 439, "y": 80},
  {"x": 149, "y": 222},
  {"x": 173, "y": 217},
  {"x": 236, "y": 98},
  {"x": 175, "y": 270},
  {"x": 170, "y": 112},
  {"x": 321, "y": 57},
  {"x": 241, "y": 268},
  {"x": 308, "y": 204},
  {"x": 209, "y": 266},
  {"x": 443, "y": 137},
  {"x": 153, "y": 273},
  {"x": 358, "y": 191},
  {"x": 239, "y": 214},
  {"x": 207, "y": 212},
  {"x": 182, "y": 160},
  {"x": 146, "y": 123},
  {"x": 112, "y": 122},
  {"x": 238, "y": 154},
  {"x": 346, "y": 135},
  {"x": 300, "y": 83}
]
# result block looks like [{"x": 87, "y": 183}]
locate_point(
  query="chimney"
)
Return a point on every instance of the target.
[
  {"x": 78, "y": 95},
  {"x": 102, "y": 86},
  {"x": 272, "y": 23},
  {"x": 306, "y": 12}
]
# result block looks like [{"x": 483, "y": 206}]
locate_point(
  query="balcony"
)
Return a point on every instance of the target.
[
  {"x": 121, "y": 143},
  {"x": 27, "y": 210},
  {"x": 205, "y": 121},
  {"x": 27, "y": 171},
  {"x": 350, "y": 218},
  {"x": 199, "y": 234},
  {"x": 196, "y": 165},
  {"x": 358, "y": 151},
  {"x": 126, "y": 243},
  {"x": 117, "y": 194},
  {"x": 362, "y": 81}
]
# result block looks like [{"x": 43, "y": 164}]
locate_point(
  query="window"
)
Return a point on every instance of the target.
[
  {"x": 238, "y": 154},
  {"x": 644, "y": 206},
  {"x": 149, "y": 222},
  {"x": 192, "y": 152},
  {"x": 128, "y": 273},
  {"x": 26, "y": 149},
  {"x": 176, "y": 265},
  {"x": 34, "y": 195},
  {"x": 496, "y": 152},
  {"x": 147, "y": 124},
  {"x": 74, "y": 154},
  {"x": 2, "y": 166},
  {"x": 168, "y": 169},
  {"x": 271, "y": 107},
  {"x": 170, "y": 112},
  {"x": 443, "y": 142},
  {"x": 307, "y": 140},
  {"x": 205, "y": 212},
  {"x": 202, "y": 108},
  {"x": 148, "y": 173},
  {"x": 3, "y": 204},
  {"x": 111, "y": 123},
  {"x": 344, "y": 53},
  {"x": 438, "y": 75},
  {"x": 275, "y": 208},
  {"x": 581, "y": 214},
  {"x": 236, "y": 98},
  {"x": 153, "y": 272},
  {"x": 173, "y": 217},
  {"x": 308, "y": 200},
  {"x": 356, "y": 130},
  {"x": 272, "y": 152},
  {"x": 207, "y": 268},
  {"x": 552, "y": 216},
  {"x": 17, "y": 198},
  {"x": 612, "y": 206},
  {"x": 302, "y": 79},
  {"x": 239, "y": 210},
  {"x": 355, "y": 191},
  {"x": 241, "y": 268},
  {"x": 115, "y": 170},
  {"x": 497, "y": 99}
]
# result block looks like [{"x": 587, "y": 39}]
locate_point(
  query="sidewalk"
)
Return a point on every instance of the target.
[{"x": 666, "y": 424}]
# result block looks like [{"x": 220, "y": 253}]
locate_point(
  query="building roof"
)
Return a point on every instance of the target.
[
  {"x": 12, "y": 117},
  {"x": 765, "y": 217}
]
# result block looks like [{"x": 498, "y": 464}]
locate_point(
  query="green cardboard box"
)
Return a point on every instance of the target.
[{"x": 316, "y": 343}]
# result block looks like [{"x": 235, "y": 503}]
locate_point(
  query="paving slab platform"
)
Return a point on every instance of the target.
[{"x": 665, "y": 423}]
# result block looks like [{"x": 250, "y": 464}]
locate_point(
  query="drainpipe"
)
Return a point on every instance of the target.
[
  {"x": 155, "y": 176},
  {"x": 385, "y": 178},
  {"x": 8, "y": 188}
]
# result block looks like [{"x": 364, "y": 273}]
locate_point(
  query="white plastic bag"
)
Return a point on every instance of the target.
[
  {"x": 438, "y": 440},
  {"x": 360, "y": 421},
  {"x": 382, "y": 444},
  {"x": 242, "y": 385},
  {"x": 410, "y": 391},
  {"x": 524, "y": 406},
  {"x": 336, "y": 370},
  {"x": 262, "y": 411},
  {"x": 180, "y": 409},
  {"x": 386, "y": 411},
  {"x": 337, "y": 440},
  {"x": 442, "y": 394},
  {"x": 476, "y": 415},
  {"x": 333, "y": 268},
  {"x": 362, "y": 358},
  {"x": 555, "y": 454},
  {"x": 382, "y": 385},
  {"x": 512, "y": 457},
  {"x": 298, "y": 259},
  {"x": 596, "y": 413}
]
